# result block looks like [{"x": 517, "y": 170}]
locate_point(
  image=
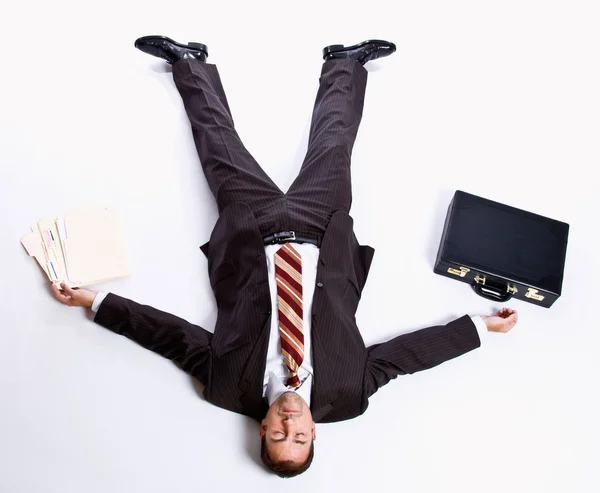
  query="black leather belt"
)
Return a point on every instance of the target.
[{"x": 288, "y": 236}]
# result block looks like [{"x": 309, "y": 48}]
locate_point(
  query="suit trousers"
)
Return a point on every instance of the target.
[{"x": 323, "y": 185}]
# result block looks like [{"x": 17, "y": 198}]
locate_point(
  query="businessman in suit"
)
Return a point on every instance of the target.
[{"x": 286, "y": 270}]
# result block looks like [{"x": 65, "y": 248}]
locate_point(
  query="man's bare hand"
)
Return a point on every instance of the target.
[
  {"x": 74, "y": 296},
  {"x": 504, "y": 320}
]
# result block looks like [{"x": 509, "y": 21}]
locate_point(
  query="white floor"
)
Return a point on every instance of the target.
[{"x": 499, "y": 99}]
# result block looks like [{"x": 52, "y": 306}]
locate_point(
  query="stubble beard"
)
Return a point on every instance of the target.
[{"x": 290, "y": 400}]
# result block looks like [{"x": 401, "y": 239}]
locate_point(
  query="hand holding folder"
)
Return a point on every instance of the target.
[{"x": 81, "y": 248}]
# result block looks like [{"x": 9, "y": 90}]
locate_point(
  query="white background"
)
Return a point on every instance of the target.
[{"x": 499, "y": 99}]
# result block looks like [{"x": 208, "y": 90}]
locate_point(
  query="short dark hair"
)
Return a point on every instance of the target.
[{"x": 285, "y": 469}]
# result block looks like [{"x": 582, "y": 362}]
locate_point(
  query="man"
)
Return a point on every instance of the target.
[{"x": 286, "y": 269}]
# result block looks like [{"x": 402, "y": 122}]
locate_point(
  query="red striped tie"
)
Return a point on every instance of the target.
[{"x": 288, "y": 275}]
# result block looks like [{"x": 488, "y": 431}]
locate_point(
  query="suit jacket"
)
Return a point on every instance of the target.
[{"x": 231, "y": 361}]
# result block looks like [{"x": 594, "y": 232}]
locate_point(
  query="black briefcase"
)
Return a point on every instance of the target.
[{"x": 503, "y": 252}]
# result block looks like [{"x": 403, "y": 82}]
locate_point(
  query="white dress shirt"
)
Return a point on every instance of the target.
[{"x": 276, "y": 372}]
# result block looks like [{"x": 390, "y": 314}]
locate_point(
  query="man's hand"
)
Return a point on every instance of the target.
[
  {"x": 74, "y": 297},
  {"x": 504, "y": 320}
]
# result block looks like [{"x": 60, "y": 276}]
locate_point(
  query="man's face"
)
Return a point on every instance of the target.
[{"x": 288, "y": 429}]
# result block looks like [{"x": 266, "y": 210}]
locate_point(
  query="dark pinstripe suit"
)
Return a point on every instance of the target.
[{"x": 231, "y": 362}]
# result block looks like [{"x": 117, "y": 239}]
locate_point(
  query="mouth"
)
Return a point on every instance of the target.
[{"x": 287, "y": 410}]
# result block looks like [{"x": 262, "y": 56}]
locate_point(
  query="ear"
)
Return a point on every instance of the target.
[
  {"x": 263, "y": 429},
  {"x": 314, "y": 431}
]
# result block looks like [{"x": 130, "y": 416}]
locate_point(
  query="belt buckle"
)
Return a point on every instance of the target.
[{"x": 284, "y": 236}]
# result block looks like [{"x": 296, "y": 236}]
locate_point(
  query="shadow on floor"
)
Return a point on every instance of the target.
[{"x": 251, "y": 438}]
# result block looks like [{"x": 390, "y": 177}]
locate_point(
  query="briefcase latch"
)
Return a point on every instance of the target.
[
  {"x": 462, "y": 272},
  {"x": 512, "y": 289},
  {"x": 532, "y": 294}
]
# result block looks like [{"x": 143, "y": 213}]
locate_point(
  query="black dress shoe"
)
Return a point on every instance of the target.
[
  {"x": 361, "y": 52},
  {"x": 169, "y": 50}
]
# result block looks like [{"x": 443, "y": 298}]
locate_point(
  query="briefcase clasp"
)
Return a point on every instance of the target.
[
  {"x": 512, "y": 289},
  {"x": 462, "y": 272},
  {"x": 532, "y": 294}
]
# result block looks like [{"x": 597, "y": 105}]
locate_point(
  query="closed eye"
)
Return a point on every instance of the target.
[
  {"x": 300, "y": 435},
  {"x": 278, "y": 437}
]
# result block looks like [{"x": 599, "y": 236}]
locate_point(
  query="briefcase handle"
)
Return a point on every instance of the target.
[{"x": 492, "y": 290}]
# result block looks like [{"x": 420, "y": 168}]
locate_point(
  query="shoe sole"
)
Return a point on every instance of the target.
[
  {"x": 329, "y": 50},
  {"x": 195, "y": 46}
]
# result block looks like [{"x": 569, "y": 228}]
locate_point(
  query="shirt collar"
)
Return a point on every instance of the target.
[{"x": 275, "y": 388}]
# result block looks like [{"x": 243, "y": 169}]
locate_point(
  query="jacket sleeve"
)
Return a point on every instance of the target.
[
  {"x": 161, "y": 332},
  {"x": 416, "y": 351}
]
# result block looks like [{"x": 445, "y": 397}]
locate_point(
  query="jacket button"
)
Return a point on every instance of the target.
[
  {"x": 314, "y": 317},
  {"x": 319, "y": 284},
  {"x": 322, "y": 262}
]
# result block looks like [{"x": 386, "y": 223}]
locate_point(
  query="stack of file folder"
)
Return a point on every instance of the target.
[{"x": 80, "y": 248}]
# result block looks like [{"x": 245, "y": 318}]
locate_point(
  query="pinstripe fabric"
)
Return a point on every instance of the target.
[
  {"x": 323, "y": 185},
  {"x": 233, "y": 175},
  {"x": 231, "y": 362}
]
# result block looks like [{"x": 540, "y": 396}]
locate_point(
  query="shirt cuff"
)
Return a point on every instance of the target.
[
  {"x": 481, "y": 327},
  {"x": 98, "y": 301}
]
